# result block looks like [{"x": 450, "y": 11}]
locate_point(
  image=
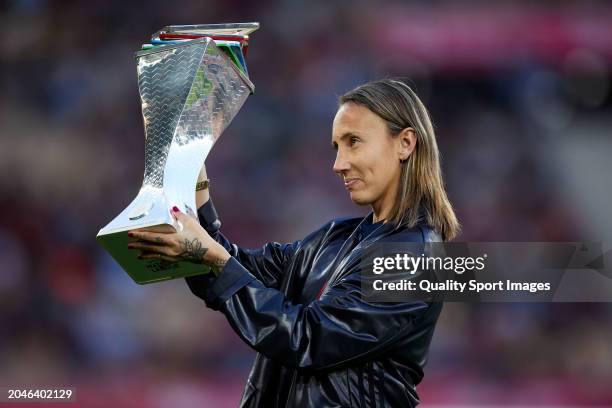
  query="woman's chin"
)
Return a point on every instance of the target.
[{"x": 358, "y": 198}]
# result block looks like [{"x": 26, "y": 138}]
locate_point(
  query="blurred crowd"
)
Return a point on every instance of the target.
[{"x": 520, "y": 98}]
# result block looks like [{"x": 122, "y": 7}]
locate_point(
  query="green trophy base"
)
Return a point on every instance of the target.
[{"x": 144, "y": 271}]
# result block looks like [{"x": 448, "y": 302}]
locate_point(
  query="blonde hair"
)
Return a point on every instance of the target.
[{"x": 421, "y": 187}]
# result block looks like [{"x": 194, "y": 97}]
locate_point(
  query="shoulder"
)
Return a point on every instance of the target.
[
  {"x": 337, "y": 229},
  {"x": 419, "y": 233}
]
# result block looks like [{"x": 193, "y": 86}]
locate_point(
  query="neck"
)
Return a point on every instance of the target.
[{"x": 382, "y": 208}]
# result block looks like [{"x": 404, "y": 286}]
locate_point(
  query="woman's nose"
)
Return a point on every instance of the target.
[{"x": 341, "y": 164}]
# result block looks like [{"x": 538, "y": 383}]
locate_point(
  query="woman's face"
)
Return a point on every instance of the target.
[{"x": 368, "y": 157}]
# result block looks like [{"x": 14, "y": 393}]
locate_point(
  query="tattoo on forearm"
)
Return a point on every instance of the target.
[
  {"x": 218, "y": 265},
  {"x": 193, "y": 250}
]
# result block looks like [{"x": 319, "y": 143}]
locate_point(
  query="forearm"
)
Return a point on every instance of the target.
[
  {"x": 218, "y": 263},
  {"x": 303, "y": 335},
  {"x": 202, "y": 196},
  {"x": 266, "y": 263}
]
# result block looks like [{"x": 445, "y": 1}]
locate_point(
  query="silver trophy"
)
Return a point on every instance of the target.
[{"x": 190, "y": 91}]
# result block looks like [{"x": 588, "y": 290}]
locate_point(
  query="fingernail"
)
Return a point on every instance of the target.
[
  {"x": 130, "y": 246},
  {"x": 175, "y": 209},
  {"x": 130, "y": 234}
]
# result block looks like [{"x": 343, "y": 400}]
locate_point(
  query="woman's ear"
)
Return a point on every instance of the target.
[{"x": 407, "y": 143}]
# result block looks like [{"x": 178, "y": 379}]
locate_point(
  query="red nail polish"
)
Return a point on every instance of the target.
[
  {"x": 175, "y": 209},
  {"x": 130, "y": 234}
]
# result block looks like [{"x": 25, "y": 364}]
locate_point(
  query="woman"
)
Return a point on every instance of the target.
[{"x": 299, "y": 305}]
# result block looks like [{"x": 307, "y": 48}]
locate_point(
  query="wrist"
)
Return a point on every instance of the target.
[
  {"x": 202, "y": 193},
  {"x": 218, "y": 258},
  {"x": 202, "y": 184}
]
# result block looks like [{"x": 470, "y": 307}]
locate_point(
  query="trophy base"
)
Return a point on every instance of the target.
[
  {"x": 144, "y": 271},
  {"x": 150, "y": 211}
]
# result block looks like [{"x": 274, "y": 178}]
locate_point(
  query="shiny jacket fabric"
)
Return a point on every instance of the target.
[{"x": 319, "y": 344}]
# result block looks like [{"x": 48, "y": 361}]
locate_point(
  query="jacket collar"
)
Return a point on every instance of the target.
[{"x": 353, "y": 254}]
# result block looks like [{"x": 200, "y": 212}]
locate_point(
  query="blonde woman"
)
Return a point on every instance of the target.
[{"x": 299, "y": 305}]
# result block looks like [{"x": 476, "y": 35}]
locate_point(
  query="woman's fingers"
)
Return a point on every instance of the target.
[
  {"x": 150, "y": 247},
  {"x": 156, "y": 237},
  {"x": 190, "y": 243},
  {"x": 157, "y": 256}
]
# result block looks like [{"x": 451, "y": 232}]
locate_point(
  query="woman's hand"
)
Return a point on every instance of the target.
[{"x": 191, "y": 244}]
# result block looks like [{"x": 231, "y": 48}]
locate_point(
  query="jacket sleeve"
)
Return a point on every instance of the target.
[
  {"x": 266, "y": 263},
  {"x": 337, "y": 329}
]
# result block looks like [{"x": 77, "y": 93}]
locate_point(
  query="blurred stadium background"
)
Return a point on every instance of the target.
[{"x": 520, "y": 96}]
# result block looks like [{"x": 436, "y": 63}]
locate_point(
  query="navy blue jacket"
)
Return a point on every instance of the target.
[{"x": 300, "y": 306}]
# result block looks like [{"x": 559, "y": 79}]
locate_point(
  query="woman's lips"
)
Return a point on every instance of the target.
[{"x": 350, "y": 183}]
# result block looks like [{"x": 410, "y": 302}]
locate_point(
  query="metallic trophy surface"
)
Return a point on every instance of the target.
[{"x": 190, "y": 91}]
